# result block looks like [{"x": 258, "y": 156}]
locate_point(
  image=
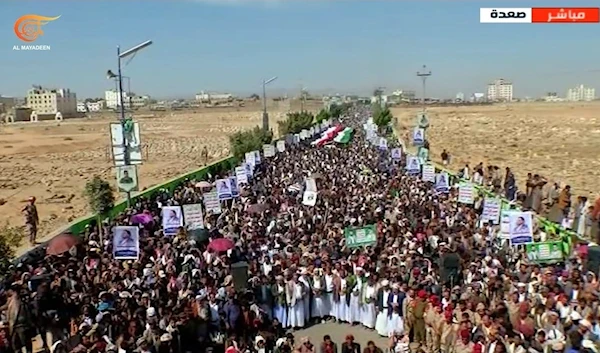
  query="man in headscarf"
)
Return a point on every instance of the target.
[{"x": 417, "y": 317}]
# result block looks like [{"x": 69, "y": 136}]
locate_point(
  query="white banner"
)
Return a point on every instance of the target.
[
  {"x": 193, "y": 217},
  {"x": 309, "y": 198},
  {"x": 212, "y": 204}
]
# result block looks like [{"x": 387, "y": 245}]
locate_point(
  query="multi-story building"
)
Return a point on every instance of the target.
[
  {"x": 500, "y": 90},
  {"x": 581, "y": 94},
  {"x": 112, "y": 100},
  {"x": 51, "y": 101}
]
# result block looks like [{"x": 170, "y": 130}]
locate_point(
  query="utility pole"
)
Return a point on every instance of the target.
[
  {"x": 302, "y": 98},
  {"x": 424, "y": 75}
]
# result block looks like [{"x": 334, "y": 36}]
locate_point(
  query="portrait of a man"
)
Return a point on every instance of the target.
[
  {"x": 125, "y": 178},
  {"x": 173, "y": 217},
  {"x": 520, "y": 226},
  {"x": 126, "y": 240}
]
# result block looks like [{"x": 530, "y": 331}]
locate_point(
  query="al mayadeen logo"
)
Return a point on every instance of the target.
[{"x": 28, "y": 28}]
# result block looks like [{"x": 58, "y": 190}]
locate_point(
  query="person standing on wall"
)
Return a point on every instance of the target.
[{"x": 31, "y": 219}]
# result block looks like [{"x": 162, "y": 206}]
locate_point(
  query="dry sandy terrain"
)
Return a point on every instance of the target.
[
  {"x": 558, "y": 140},
  {"x": 53, "y": 162}
]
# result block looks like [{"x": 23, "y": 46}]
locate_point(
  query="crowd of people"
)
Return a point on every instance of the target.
[{"x": 181, "y": 296}]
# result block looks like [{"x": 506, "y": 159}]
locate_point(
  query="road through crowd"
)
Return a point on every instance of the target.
[{"x": 180, "y": 294}]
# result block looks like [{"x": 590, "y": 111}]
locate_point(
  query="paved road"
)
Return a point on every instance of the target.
[{"x": 338, "y": 333}]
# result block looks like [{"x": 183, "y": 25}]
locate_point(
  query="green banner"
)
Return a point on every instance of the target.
[
  {"x": 363, "y": 236},
  {"x": 545, "y": 252}
]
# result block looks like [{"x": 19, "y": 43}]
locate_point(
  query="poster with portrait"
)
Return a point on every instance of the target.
[
  {"x": 428, "y": 173},
  {"x": 396, "y": 154},
  {"x": 423, "y": 154},
  {"x": 383, "y": 143},
  {"x": 172, "y": 219},
  {"x": 442, "y": 183},
  {"x": 131, "y": 134},
  {"x": 413, "y": 165},
  {"x": 249, "y": 171},
  {"x": 418, "y": 136},
  {"x": 193, "y": 217},
  {"x": 233, "y": 186},
  {"x": 126, "y": 243},
  {"x": 127, "y": 178},
  {"x": 521, "y": 227},
  {"x": 422, "y": 120},
  {"x": 224, "y": 189}
]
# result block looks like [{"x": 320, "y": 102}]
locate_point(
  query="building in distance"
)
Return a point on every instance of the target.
[
  {"x": 581, "y": 94},
  {"x": 500, "y": 90},
  {"x": 52, "y": 101}
]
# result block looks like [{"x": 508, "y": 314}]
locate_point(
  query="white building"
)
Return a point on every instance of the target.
[
  {"x": 460, "y": 97},
  {"x": 52, "y": 101},
  {"x": 112, "y": 100},
  {"x": 500, "y": 90},
  {"x": 206, "y": 97},
  {"x": 581, "y": 94}
]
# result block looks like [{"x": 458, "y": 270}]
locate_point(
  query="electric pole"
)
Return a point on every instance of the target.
[{"x": 423, "y": 75}]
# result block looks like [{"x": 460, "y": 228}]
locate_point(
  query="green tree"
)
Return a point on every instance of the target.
[
  {"x": 250, "y": 140},
  {"x": 382, "y": 117},
  {"x": 101, "y": 198},
  {"x": 296, "y": 122},
  {"x": 10, "y": 238},
  {"x": 322, "y": 116}
]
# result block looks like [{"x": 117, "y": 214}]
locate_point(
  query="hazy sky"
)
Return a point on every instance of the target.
[{"x": 329, "y": 46}]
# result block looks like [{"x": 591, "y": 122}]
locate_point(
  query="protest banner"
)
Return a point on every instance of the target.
[{"x": 361, "y": 236}]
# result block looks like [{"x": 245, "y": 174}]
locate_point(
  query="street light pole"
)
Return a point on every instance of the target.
[
  {"x": 424, "y": 75},
  {"x": 123, "y": 120},
  {"x": 265, "y": 113}
]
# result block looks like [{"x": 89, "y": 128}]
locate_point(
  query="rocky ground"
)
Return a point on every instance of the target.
[{"x": 558, "y": 140}]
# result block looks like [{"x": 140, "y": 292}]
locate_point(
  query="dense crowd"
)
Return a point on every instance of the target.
[{"x": 180, "y": 295}]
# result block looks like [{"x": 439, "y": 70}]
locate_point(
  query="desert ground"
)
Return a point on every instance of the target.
[
  {"x": 560, "y": 141},
  {"x": 53, "y": 162}
]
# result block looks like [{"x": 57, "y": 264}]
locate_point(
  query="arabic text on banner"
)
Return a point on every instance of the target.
[
  {"x": 268, "y": 151},
  {"x": 466, "y": 193},
  {"x": 241, "y": 175},
  {"x": 429, "y": 173},
  {"x": 212, "y": 204},
  {"x": 491, "y": 210},
  {"x": 193, "y": 217}
]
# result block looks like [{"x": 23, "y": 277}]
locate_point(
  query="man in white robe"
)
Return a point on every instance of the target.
[{"x": 382, "y": 308}]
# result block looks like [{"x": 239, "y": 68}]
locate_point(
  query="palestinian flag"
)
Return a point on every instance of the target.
[
  {"x": 344, "y": 136},
  {"x": 328, "y": 135}
]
